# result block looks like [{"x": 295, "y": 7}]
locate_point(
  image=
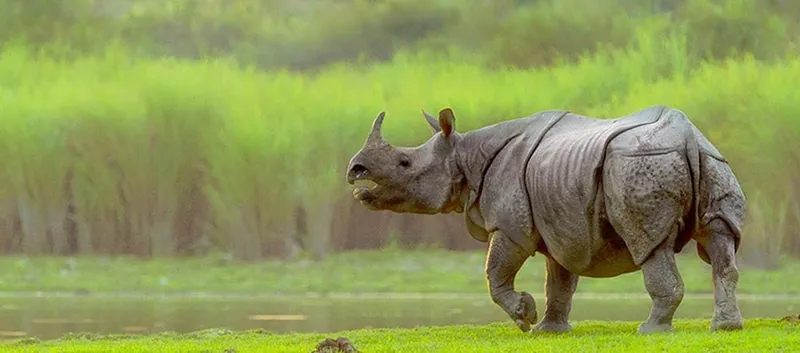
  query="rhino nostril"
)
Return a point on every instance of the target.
[{"x": 358, "y": 171}]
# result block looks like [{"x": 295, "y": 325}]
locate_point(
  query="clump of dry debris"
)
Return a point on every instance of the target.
[
  {"x": 339, "y": 345},
  {"x": 792, "y": 318}
]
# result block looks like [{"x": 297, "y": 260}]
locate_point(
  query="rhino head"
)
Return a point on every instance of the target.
[{"x": 423, "y": 179}]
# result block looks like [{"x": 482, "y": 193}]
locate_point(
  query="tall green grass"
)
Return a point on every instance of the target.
[{"x": 110, "y": 154}]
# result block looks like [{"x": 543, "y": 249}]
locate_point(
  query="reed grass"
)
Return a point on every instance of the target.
[{"x": 114, "y": 154}]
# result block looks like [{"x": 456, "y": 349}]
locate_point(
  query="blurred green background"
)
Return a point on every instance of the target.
[{"x": 196, "y": 127}]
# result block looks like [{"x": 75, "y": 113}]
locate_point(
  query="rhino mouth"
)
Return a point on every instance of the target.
[
  {"x": 365, "y": 184},
  {"x": 364, "y": 190}
]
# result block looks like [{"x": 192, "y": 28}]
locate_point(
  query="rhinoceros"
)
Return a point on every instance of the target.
[{"x": 597, "y": 197}]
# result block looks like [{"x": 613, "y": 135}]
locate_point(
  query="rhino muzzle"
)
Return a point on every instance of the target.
[
  {"x": 359, "y": 175},
  {"x": 356, "y": 172}
]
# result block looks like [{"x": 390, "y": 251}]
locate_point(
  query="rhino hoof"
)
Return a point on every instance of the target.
[
  {"x": 647, "y": 328},
  {"x": 727, "y": 325},
  {"x": 523, "y": 325},
  {"x": 526, "y": 312},
  {"x": 553, "y": 327}
]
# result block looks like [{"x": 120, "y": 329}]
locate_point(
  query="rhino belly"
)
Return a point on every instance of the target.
[{"x": 583, "y": 241}]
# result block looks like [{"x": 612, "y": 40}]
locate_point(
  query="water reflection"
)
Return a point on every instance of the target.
[{"x": 48, "y": 318}]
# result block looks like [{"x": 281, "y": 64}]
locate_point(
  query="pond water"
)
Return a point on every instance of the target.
[{"x": 52, "y": 317}]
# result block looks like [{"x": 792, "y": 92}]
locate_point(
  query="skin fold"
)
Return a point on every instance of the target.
[{"x": 597, "y": 197}]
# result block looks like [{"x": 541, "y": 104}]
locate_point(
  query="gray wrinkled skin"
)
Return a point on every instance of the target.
[{"x": 597, "y": 198}]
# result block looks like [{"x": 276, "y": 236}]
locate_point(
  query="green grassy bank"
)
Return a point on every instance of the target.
[
  {"x": 760, "y": 335},
  {"x": 117, "y": 155},
  {"x": 388, "y": 271}
]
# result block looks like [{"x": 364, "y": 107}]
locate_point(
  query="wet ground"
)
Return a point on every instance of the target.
[{"x": 51, "y": 317}]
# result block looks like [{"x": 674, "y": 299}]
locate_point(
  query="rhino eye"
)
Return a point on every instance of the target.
[{"x": 405, "y": 163}]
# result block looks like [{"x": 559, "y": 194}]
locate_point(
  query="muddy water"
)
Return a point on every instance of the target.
[{"x": 51, "y": 317}]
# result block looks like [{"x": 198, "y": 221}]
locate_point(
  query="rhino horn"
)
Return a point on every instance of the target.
[{"x": 375, "y": 136}]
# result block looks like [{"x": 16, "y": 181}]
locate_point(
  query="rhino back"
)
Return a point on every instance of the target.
[{"x": 564, "y": 181}]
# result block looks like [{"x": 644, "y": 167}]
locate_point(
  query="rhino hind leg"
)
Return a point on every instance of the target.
[
  {"x": 503, "y": 262},
  {"x": 560, "y": 286},
  {"x": 665, "y": 286},
  {"x": 720, "y": 244},
  {"x": 647, "y": 197}
]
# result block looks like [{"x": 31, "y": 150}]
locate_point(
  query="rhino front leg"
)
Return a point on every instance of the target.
[
  {"x": 503, "y": 261},
  {"x": 560, "y": 286},
  {"x": 665, "y": 286},
  {"x": 720, "y": 248}
]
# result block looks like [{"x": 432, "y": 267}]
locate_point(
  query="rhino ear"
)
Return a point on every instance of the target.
[
  {"x": 432, "y": 122},
  {"x": 447, "y": 121}
]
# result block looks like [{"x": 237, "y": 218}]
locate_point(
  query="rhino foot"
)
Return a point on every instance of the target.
[
  {"x": 553, "y": 327},
  {"x": 727, "y": 325},
  {"x": 648, "y": 328},
  {"x": 526, "y": 312}
]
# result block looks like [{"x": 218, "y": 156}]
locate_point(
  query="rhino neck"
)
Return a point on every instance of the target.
[
  {"x": 477, "y": 149},
  {"x": 475, "y": 153}
]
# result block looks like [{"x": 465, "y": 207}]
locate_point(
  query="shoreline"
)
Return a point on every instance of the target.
[{"x": 354, "y": 295}]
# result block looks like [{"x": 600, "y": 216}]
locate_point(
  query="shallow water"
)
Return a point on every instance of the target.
[{"x": 52, "y": 317}]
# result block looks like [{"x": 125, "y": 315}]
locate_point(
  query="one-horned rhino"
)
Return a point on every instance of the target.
[{"x": 596, "y": 197}]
